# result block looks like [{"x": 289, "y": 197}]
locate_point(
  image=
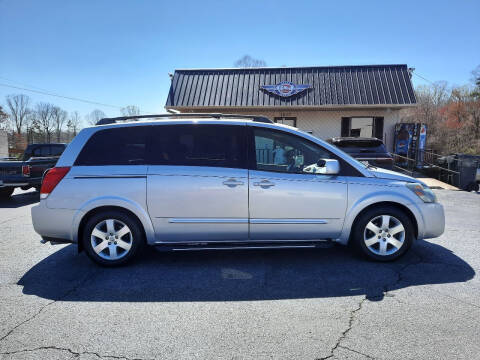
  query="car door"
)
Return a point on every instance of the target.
[
  {"x": 288, "y": 199},
  {"x": 197, "y": 185}
]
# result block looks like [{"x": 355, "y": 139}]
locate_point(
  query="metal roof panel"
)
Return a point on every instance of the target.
[{"x": 331, "y": 86}]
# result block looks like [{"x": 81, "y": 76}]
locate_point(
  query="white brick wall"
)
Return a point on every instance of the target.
[
  {"x": 326, "y": 123},
  {"x": 3, "y": 144}
]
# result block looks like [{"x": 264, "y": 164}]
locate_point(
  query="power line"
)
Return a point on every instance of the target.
[
  {"x": 61, "y": 96},
  {"x": 23, "y": 84},
  {"x": 421, "y": 77}
]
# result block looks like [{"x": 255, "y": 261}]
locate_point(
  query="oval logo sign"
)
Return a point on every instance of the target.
[{"x": 285, "y": 88}]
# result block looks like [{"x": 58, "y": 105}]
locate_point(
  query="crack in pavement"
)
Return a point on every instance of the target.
[
  {"x": 73, "y": 289},
  {"x": 74, "y": 353},
  {"x": 344, "y": 333},
  {"x": 385, "y": 292},
  {"x": 355, "y": 351}
]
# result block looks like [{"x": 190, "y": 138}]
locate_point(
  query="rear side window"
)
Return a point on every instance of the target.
[
  {"x": 41, "y": 151},
  {"x": 120, "y": 146},
  {"x": 199, "y": 145},
  {"x": 56, "y": 150}
]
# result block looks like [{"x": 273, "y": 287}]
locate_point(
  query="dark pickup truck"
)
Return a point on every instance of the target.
[
  {"x": 28, "y": 171},
  {"x": 368, "y": 150}
]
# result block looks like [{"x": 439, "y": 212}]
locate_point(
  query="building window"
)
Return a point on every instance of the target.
[
  {"x": 290, "y": 121},
  {"x": 362, "y": 127}
]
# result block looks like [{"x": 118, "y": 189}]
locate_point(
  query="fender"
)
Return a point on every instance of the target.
[
  {"x": 368, "y": 199},
  {"x": 130, "y": 205}
]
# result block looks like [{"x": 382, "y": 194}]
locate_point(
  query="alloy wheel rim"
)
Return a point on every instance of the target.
[
  {"x": 384, "y": 235},
  {"x": 111, "y": 239}
]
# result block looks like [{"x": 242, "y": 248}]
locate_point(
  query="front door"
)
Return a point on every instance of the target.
[
  {"x": 286, "y": 199},
  {"x": 197, "y": 188}
]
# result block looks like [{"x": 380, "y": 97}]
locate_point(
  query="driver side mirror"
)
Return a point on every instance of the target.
[{"x": 329, "y": 166}]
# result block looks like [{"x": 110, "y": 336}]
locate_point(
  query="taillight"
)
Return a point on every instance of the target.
[
  {"x": 51, "y": 180},
  {"x": 26, "y": 170}
]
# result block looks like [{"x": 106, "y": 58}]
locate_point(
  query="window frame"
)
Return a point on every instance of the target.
[{"x": 346, "y": 169}]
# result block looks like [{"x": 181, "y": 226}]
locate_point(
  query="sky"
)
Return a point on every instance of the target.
[{"x": 119, "y": 52}]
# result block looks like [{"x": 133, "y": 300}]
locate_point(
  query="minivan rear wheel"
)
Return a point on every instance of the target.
[
  {"x": 383, "y": 234},
  {"x": 112, "y": 238}
]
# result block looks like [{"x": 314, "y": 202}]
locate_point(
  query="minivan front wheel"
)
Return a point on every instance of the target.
[
  {"x": 383, "y": 234},
  {"x": 112, "y": 238}
]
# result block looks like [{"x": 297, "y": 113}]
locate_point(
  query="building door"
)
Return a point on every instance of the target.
[{"x": 290, "y": 121}]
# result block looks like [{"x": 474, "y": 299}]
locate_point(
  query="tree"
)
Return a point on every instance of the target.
[
  {"x": 73, "y": 123},
  {"x": 130, "y": 110},
  {"x": 476, "y": 82},
  {"x": 248, "y": 62},
  {"x": 3, "y": 119},
  {"x": 18, "y": 106},
  {"x": 95, "y": 116},
  {"x": 59, "y": 117},
  {"x": 44, "y": 119}
]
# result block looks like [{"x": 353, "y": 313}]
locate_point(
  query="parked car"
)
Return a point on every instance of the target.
[
  {"x": 190, "y": 182},
  {"x": 368, "y": 150},
  {"x": 28, "y": 171}
]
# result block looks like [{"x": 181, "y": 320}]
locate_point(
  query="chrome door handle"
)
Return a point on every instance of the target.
[
  {"x": 232, "y": 182},
  {"x": 264, "y": 184}
]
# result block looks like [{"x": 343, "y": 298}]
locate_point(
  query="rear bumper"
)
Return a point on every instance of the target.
[
  {"x": 21, "y": 181},
  {"x": 53, "y": 223},
  {"x": 433, "y": 220}
]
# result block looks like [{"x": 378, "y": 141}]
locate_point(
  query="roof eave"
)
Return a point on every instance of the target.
[{"x": 296, "y": 107}]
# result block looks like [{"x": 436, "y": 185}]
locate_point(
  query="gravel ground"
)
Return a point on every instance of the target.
[{"x": 282, "y": 304}]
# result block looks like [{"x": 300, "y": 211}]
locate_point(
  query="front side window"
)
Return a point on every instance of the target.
[
  {"x": 199, "y": 145},
  {"x": 282, "y": 152}
]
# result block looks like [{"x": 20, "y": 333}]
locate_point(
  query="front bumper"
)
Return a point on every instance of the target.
[
  {"x": 53, "y": 223},
  {"x": 433, "y": 220}
]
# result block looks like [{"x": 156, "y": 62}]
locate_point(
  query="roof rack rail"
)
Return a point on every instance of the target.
[{"x": 106, "y": 121}]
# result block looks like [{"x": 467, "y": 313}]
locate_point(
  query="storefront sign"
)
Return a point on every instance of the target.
[{"x": 285, "y": 88}]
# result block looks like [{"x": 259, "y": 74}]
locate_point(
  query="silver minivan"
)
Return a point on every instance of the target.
[{"x": 210, "y": 181}]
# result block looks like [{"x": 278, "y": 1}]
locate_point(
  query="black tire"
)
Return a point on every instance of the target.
[
  {"x": 99, "y": 221},
  {"x": 374, "y": 215},
  {"x": 473, "y": 186},
  {"x": 5, "y": 193}
]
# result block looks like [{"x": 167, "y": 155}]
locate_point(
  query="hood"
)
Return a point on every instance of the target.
[{"x": 393, "y": 175}]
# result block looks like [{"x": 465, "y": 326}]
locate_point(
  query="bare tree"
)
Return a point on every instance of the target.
[
  {"x": 44, "y": 119},
  {"x": 73, "y": 123},
  {"x": 18, "y": 106},
  {"x": 248, "y": 62},
  {"x": 95, "y": 116},
  {"x": 59, "y": 117},
  {"x": 3, "y": 119},
  {"x": 130, "y": 110}
]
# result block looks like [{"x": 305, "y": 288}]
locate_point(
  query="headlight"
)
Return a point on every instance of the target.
[{"x": 423, "y": 192}]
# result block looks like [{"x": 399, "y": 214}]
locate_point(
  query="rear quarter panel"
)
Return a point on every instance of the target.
[{"x": 88, "y": 187}]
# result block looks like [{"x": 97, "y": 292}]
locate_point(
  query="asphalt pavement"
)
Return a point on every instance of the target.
[{"x": 279, "y": 304}]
